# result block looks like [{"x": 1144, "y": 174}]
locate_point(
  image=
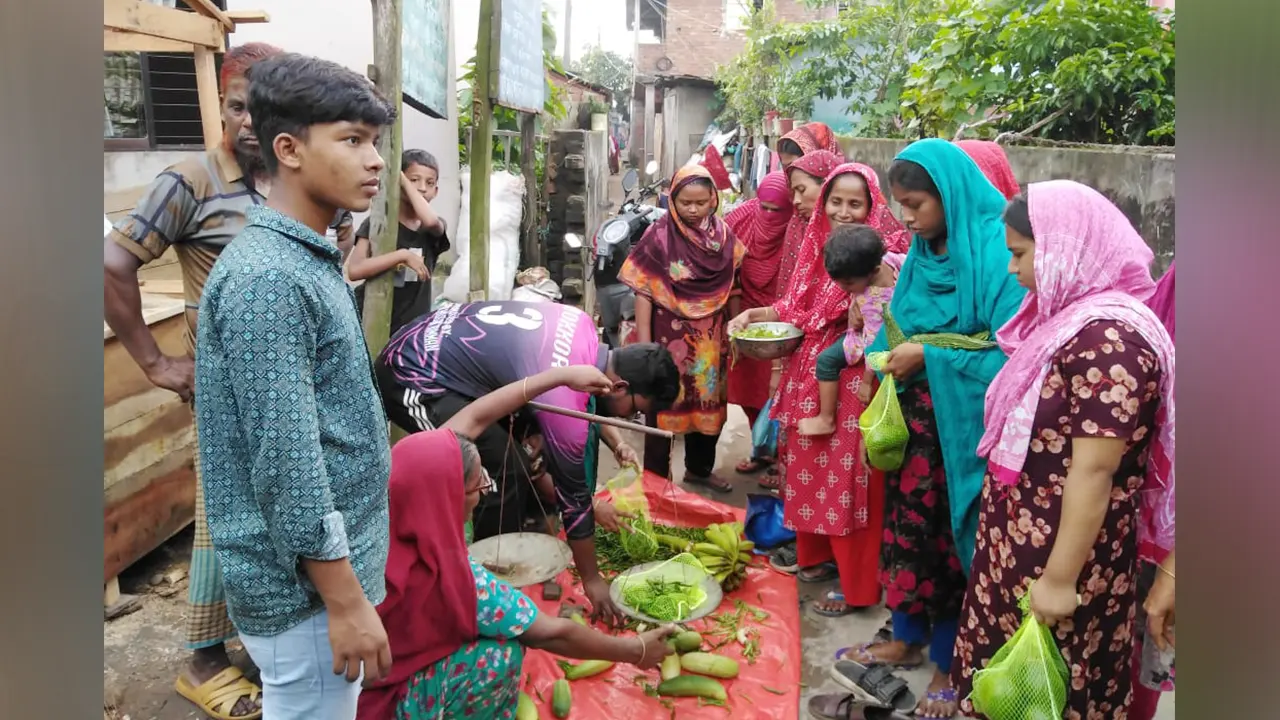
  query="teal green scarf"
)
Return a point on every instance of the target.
[{"x": 966, "y": 291}]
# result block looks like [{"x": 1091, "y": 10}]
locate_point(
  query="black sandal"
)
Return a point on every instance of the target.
[
  {"x": 836, "y": 706},
  {"x": 874, "y": 685},
  {"x": 725, "y": 487}
]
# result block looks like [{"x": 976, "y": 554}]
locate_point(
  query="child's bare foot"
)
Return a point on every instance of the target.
[{"x": 817, "y": 426}]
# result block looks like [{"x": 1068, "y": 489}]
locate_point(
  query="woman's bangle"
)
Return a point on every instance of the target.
[
  {"x": 642, "y": 650},
  {"x": 524, "y": 391},
  {"x": 1166, "y": 571}
]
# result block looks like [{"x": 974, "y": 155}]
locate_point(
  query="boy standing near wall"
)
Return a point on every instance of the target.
[{"x": 296, "y": 455}]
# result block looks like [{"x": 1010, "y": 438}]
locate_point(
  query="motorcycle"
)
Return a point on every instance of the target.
[{"x": 612, "y": 243}]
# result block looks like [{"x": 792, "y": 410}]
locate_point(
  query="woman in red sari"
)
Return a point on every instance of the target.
[
  {"x": 832, "y": 500},
  {"x": 994, "y": 164},
  {"x": 761, "y": 225},
  {"x": 805, "y": 139},
  {"x": 683, "y": 271}
]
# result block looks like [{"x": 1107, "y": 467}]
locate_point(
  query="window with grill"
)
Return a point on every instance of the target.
[{"x": 150, "y": 99}]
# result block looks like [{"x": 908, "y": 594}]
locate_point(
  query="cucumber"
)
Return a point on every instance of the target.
[
  {"x": 708, "y": 664},
  {"x": 586, "y": 669},
  {"x": 525, "y": 709},
  {"x": 687, "y": 641},
  {"x": 561, "y": 700},
  {"x": 670, "y": 667},
  {"x": 693, "y": 686}
]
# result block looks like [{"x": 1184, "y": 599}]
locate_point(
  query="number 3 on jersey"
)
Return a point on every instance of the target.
[{"x": 527, "y": 319}]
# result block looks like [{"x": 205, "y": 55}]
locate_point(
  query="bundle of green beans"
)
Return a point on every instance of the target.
[{"x": 613, "y": 557}]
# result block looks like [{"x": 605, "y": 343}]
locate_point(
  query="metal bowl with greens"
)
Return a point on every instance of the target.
[{"x": 768, "y": 340}]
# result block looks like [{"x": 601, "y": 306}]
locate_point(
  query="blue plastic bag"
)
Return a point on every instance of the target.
[
  {"x": 763, "y": 525},
  {"x": 764, "y": 434}
]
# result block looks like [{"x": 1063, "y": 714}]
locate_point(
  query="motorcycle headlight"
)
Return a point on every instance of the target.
[{"x": 614, "y": 232}]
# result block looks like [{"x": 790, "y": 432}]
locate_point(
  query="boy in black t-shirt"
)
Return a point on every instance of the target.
[{"x": 421, "y": 240}]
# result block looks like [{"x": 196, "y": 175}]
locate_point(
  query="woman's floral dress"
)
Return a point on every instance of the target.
[
  {"x": 480, "y": 680},
  {"x": 1104, "y": 383}
]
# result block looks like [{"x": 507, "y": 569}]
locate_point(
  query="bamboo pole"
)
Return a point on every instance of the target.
[
  {"x": 528, "y": 168},
  {"x": 602, "y": 420},
  {"x": 384, "y": 224},
  {"x": 481, "y": 158}
]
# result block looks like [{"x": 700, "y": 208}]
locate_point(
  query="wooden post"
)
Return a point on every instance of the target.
[
  {"x": 207, "y": 93},
  {"x": 528, "y": 168},
  {"x": 482, "y": 145},
  {"x": 384, "y": 224}
]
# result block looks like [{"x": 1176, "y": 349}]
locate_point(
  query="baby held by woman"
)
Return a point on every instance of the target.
[{"x": 856, "y": 259}]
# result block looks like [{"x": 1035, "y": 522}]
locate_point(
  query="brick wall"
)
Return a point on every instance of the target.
[{"x": 696, "y": 42}]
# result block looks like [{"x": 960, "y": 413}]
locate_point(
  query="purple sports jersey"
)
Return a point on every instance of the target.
[{"x": 477, "y": 348}]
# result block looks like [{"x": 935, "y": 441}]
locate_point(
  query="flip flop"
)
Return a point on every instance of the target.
[
  {"x": 709, "y": 483},
  {"x": 772, "y": 480},
  {"x": 218, "y": 696},
  {"x": 751, "y": 466},
  {"x": 835, "y": 596},
  {"x": 838, "y": 706},
  {"x": 828, "y": 573},
  {"x": 874, "y": 685},
  {"x": 861, "y": 654},
  {"x": 785, "y": 560},
  {"x": 945, "y": 695}
]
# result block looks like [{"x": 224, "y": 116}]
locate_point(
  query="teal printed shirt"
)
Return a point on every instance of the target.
[{"x": 293, "y": 438}]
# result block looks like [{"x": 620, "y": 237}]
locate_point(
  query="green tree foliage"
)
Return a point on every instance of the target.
[
  {"x": 1098, "y": 71},
  {"x": 609, "y": 70},
  {"x": 506, "y": 118},
  {"x": 1079, "y": 70}
]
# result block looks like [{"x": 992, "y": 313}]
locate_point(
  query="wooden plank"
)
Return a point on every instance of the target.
[
  {"x": 209, "y": 10},
  {"x": 162, "y": 22},
  {"x": 207, "y": 90},
  {"x": 112, "y": 594},
  {"x": 144, "y": 520},
  {"x": 116, "y": 41},
  {"x": 248, "y": 17},
  {"x": 122, "y": 200},
  {"x": 162, "y": 286}
]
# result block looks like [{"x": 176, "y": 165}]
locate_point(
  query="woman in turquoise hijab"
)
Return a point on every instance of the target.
[{"x": 955, "y": 281}]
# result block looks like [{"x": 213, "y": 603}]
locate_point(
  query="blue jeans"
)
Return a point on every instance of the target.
[
  {"x": 916, "y": 630},
  {"x": 297, "y": 674}
]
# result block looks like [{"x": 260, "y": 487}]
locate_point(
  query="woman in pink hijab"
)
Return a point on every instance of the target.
[
  {"x": 760, "y": 224},
  {"x": 1080, "y": 442}
]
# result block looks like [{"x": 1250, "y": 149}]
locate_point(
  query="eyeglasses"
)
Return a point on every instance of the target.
[{"x": 487, "y": 485}]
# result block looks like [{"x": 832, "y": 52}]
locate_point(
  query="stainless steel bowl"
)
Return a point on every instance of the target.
[{"x": 772, "y": 348}]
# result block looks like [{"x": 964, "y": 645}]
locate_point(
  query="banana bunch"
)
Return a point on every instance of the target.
[{"x": 725, "y": 554}]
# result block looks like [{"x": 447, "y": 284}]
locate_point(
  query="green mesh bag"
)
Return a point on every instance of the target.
[
  {"x": 1026, "y": 679},
  {"x": 883, "y": 427}
]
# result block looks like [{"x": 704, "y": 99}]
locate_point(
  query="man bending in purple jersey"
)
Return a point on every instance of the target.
[{"x": 442, "y": 361}]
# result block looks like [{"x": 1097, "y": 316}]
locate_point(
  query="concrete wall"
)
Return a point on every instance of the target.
[
  {"x": 686, "y": 113},
  {"x": 1141, "y": 183},
  {"x": 578, "y": 175},
  {"x": 337, "y": 30}
]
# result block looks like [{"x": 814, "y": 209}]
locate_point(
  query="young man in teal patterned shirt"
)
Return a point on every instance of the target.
[{"x": 294, "y": 440}]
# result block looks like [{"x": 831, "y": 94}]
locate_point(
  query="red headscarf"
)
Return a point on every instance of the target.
[
  {"x": 815, "y": 136},
  {"x": 687, "y": 270},
  {"x": 1161, "y": 303},
  {"x": 817, "y": 164},
  {"x": 430, "y": 609},
  {"x": 762, "y": 231},
  {"x": 712, "y": 161},
  {"x": 814, "y": 301},
  {"x": 993, "y": 163}
]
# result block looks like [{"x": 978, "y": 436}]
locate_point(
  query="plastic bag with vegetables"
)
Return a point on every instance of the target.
[
  {"x": 884, "y": 429},
  {"x": 636, "y": 533},
  {"x": 1026, "y": 679}
]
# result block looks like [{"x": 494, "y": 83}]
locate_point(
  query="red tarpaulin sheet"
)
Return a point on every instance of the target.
[{"x": 617, "y": 695}]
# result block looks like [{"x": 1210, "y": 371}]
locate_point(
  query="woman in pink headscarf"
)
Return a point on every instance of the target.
[
  {"x": 761, "y": 225},
  {"x": 1080, "y": 442}
]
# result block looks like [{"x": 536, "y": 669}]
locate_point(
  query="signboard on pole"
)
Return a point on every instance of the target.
[
  {"x": 522, "y": 80},
  {"x": 424, "y": 43}
]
